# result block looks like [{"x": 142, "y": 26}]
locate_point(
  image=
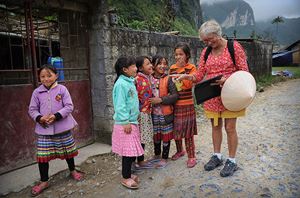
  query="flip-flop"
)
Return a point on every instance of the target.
[
  {"x": 178, "y": 155},
  {"x": 135, "y": 178},
  {"x": 147, "y": 165},
  {"x": 161, "y": 164},
  {"x": 37, "y": 189},
  {"x": 130, "y": 184},
  {"x": 77, "y": 176},
  {"x": 153, "y": 160}
]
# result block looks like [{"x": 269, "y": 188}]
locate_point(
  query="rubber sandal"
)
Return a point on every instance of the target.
[
  {"x": 191, "y": 162},
  {"x": 153, "y": 160},
  {"x": 178, "y": 155},
  {"x": 77, "y": 176},
  {"x": 37, "y": 189},
  {"x": 161, "y": 164},
  {"x": 135, "y": 178},
  {"x": 129, "y": 183},
  {"x": 146, "y": 165}
]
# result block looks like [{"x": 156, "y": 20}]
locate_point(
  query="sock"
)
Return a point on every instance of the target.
[
  {"x": 232, "y": 160},
  {"x": 219, "y": 155}
]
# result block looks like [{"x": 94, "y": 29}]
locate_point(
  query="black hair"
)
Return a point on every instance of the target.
[
  {"x": 121, "y": 63},
  {"x": 48, "y": 67},
  {"x": 156, "y": 59},
  {"x": 140, "y": 61},
  {"x": 185, "y": 47}
]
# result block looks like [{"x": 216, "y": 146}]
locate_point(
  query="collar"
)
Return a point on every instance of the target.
[
  {"x": 126, "y": 78},
  {"x": 143, "y": 75},
  {"x": 43, "y": 88}
]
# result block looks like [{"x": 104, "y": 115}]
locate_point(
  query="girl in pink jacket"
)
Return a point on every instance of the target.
[{"x": 50, "y": 107}]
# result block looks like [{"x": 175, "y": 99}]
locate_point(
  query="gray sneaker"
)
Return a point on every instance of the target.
[
  {"x": 229, "y": 169},
  {"x": 213, "y": 163}
]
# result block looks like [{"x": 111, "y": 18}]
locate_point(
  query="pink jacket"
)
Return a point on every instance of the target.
[{"x": 56, "y": 99}]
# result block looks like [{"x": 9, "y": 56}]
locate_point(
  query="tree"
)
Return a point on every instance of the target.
[{"x": 276, "y": 21}]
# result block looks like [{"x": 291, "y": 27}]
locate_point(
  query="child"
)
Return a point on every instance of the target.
[
  {"x": 184, "y": 111},
  {"x": 51, "y": 107},
  {"x": 126, "y": 135},
  {"x": 144, "y": 89},
  {"x": 165, "y": 95}
]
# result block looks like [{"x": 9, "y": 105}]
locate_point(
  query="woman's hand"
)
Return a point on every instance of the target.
[
  {"x": 220, "y": 82},
  {"x": 155, "y": 100},
  {"x": 127, "y": 128}
]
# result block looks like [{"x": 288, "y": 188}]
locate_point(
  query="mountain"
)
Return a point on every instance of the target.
[
  {"x": 237, "y": 16},
  {"x": 159, "y": 15},
  {"x": 288, "y": 31},
  {"x": 234, "y": 15}
]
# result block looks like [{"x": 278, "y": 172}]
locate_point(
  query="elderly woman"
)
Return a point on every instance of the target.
[{"x": 219, "y": 62}]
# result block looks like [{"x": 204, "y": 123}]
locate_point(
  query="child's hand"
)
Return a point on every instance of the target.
[
  {"x": 155, "y": 100},
  {"x": 43, "y": 121},
  {"x": 127, "y": 128},
  {"x": 51, "y": 119}
]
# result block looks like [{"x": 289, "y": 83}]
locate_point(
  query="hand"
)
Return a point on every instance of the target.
[
  {"x": 51, "y": 119},
  {"x": 219, "y": 82},
  {"x": 180, "y": 77},
  {"x": 43, "y": 121},
  {"x": 127, "y": 128},
  {"x": 155, "y": 100}
]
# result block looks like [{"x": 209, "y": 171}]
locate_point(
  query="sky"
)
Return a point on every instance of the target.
[{"x": 266, "y": 9}]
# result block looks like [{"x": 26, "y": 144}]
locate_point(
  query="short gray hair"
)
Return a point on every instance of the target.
[{"x": 209, "y": 27}]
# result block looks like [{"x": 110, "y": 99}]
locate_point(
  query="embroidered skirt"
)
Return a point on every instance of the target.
[
  {"x": 162, "y": 131},
  {"x": 127, "y": 144},
  {"x": 60, "y": 146},
  {"x": 146, "y": 128},
  {"x": 185, "y": 125}
]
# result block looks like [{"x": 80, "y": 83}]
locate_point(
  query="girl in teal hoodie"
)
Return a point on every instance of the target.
[{"x": 126, "y": 137}]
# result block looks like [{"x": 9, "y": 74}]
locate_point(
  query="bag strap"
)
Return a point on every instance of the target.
[
  {"x": 230, "y": 49},
  {"x": 207, "y": 52}
]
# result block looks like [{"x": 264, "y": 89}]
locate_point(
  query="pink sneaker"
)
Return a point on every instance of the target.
[
  {"x": 191, "y": 162},
  {"x": 178, "y": 155}
]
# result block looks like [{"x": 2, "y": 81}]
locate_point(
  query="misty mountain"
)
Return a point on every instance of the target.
[
  {"x": 237, "y": 16},
  {"x": 288, "y": 31}
]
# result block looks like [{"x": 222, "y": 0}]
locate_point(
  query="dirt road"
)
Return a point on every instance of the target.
[{"x": 268, "y": 157}]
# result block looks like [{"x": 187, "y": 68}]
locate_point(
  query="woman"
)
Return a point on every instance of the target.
[{"x": 219, "y": 62}]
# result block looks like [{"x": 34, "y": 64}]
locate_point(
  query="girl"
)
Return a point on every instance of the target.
[
  {"x": 165, "y": 95},
  {"x": 126, "y": 135},
  {"x": 51, "y": 107},
  {"x": 185, "y": 117},
  {"x": 144, "y": 89}
]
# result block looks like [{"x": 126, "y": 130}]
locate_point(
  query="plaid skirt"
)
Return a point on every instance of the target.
[
  {"x": 162, "y": 131},
  {"x": 185, "y": 125},
  {"x": 60, "y": 146}
]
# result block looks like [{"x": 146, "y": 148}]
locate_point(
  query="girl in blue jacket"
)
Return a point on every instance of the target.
[{"x": 126, "y": 137}]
